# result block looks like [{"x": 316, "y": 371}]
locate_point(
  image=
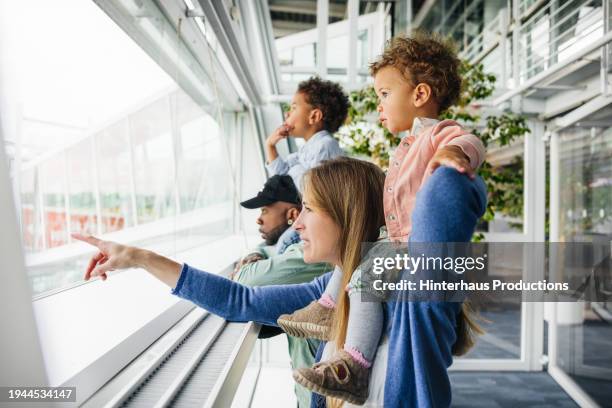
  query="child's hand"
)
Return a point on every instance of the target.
[
  {"x": 451, "y": 156},
  {"x": 280, "y": 133}
]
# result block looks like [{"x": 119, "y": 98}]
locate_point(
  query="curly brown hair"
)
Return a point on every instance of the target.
[
  {"x": 329, "y": 97},
  {"x": 425, "y": 58}
]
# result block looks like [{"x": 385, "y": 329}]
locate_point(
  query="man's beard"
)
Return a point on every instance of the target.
[{"x": 273, "y": 236}]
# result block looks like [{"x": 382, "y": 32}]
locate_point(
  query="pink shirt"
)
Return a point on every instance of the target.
[{"x": 407, "y": 167}]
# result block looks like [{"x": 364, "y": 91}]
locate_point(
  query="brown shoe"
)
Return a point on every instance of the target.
[
  {"x": 340, "y": 377},
  {"x": 312, "y": 321}
]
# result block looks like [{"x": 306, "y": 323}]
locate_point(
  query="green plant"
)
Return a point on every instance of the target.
[{"x": 364, "y": 136}]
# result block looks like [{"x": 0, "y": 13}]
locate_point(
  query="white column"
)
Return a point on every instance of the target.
[
  {"x": 516, "y": 24},
  {"x": 132, "y": 173},
  {"x": 409, "y": 16},
  {"x": 96, "y": 184},
  {"x": 41, "y": 205},
  {"x": 322, "y": 21},
  {"x": 67, "y": 197},
  {"x": 534, "y": 213},
  {"x": 175, "y": 134},
  {"x": 353, "y": 16}
]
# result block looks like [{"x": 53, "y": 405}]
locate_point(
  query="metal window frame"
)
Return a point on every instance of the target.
[{"x": 565, "y": 381}]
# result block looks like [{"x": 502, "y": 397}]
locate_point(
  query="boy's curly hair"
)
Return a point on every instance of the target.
[
  {"x": 329, "y": 97},
  {"x": 425, "y": 58}
]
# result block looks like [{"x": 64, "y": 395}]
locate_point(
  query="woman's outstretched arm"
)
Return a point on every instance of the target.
[
  {"x": 214, "y": 293},
  {"x": 236, "y": 302}
]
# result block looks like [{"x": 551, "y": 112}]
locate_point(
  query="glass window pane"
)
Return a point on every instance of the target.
[
  {"x": 337, "y": 52},
  {"x": 304, "y": 56},
  {"x": 53, "y": 180},
  {"x": 584, "y": 329},
  {"x": 153, "y": 162},
  {"x": 31, "y": 226},
  {"x": 81, "y": 183},
  {"x": 586, "y": 188},
  {"x": 111, "y": 123},
  {"x": 114, "y": 177},
  {"x": 200, "y": 154}
]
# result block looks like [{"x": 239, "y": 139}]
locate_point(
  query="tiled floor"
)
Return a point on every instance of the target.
[{"x": 507, "y": 389}]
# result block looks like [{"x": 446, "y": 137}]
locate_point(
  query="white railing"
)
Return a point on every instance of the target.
[
  {"x": 488, "y": 38},
  {"x": 554, "y": 33},
  {"x": 548, "y": 33}
]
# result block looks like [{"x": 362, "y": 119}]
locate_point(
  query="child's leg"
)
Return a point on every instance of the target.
[
  {"x": 314, "y": 320},
  {"x": 328, "y": 299},
  {"x": 346, "y": 375},
  {"x": 364, "y": 329}
]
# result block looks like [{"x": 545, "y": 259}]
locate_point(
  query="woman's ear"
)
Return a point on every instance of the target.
[
  {"x": 316, "y": 116},
  {"x": 422, "y": 94},
  {"x": 292, "y": 215}
]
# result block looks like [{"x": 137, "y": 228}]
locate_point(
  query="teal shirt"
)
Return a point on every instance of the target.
[{"x": 288, "y": 268}]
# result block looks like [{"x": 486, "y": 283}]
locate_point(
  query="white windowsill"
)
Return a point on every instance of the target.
[{"x": 90, "y": 332}]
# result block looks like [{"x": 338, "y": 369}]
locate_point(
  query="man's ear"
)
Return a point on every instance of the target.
[
  {"x": 293, "y": 214},
  {"x": 316, "y": 116},
  {"x": 422, "y": 94}
]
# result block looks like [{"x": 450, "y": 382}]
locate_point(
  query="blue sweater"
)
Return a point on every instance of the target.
[{"x": 421, "y": 334}]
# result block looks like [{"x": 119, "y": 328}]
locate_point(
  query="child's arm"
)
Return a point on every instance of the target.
[
  {"x": 472, "y": 147},
  {"x": 279, "y": 134},
  {"x": 274, "y": 163},
  {"x": 463, "y": 153}
]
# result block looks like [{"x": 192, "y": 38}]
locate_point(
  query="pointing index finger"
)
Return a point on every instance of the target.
[{"x": 90, "y": 239}]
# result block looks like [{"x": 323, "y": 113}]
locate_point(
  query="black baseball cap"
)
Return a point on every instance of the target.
[{"x": 277, "y": 188}]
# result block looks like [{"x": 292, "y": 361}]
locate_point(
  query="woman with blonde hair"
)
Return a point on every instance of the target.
[{"x": 421, "y": 334}]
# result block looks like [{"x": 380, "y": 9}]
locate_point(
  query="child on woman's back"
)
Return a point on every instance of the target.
[{"x": 415, "y": 79}]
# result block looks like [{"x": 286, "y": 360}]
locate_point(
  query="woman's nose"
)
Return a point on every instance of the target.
[
  {"x": 298, "y": 225},
  {"x": 379, "y": 107},
  {"x": 286, "y": 115}
]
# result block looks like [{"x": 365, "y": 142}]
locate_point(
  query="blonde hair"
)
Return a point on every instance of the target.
[
  {"x": 467, "y": 329},
  {"x": 350, "y": 191}
]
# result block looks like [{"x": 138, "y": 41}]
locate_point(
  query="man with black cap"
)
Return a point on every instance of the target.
[{"x": 280, "y": 205}]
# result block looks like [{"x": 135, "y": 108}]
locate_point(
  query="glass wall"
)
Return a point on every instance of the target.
[
  {"x": 133, "y": 171},
  {"x": 584, "y": 329},
  {"x": 111, "y": 145},
  {"x": 297, "y": 48}
]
